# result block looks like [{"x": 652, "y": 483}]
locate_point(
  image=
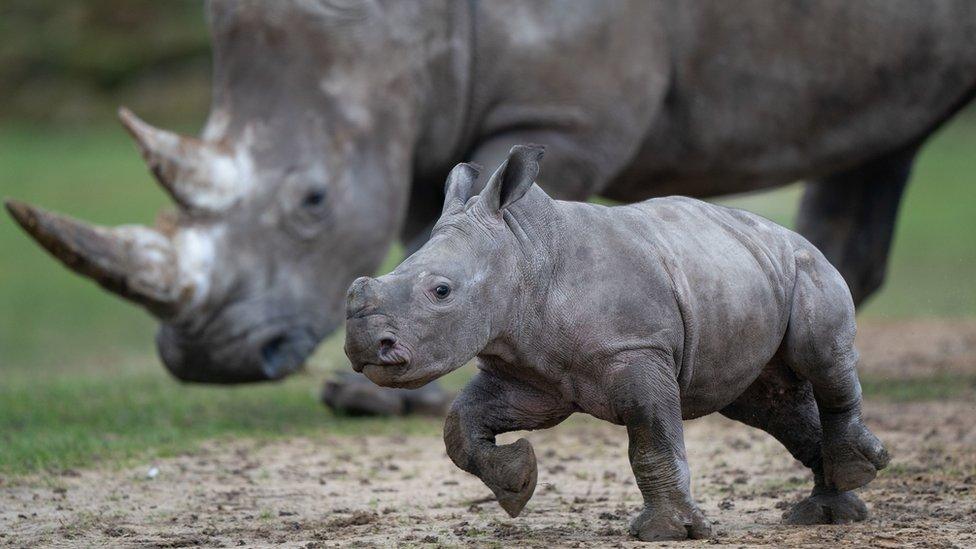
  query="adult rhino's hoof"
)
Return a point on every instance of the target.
[
  {"x": 429, "y": 400},
  {"x": 831, "y": 508},
  {"x": 355, "y": 395},
  {"x": 661, "y": 523}
]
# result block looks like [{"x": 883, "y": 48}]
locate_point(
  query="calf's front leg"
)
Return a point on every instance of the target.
[
  {"x": 488, "y": 406},
  {"x": 649, "y": 404}
]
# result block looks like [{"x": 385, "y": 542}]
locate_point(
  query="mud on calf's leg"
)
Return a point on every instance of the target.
[
  {"x": 782, "y": 404},
  {"x": 651, "y": 410},
  {"x": 850, "y": 216},
  {"x": 489, "y": 406}
]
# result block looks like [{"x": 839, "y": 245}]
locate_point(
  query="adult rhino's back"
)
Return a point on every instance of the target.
[{"x": 763, "y": 93}]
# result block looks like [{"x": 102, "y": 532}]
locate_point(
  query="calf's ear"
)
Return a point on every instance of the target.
[
  {"x": 458, "y": 188},
  {"x": 513, "y": 178}
]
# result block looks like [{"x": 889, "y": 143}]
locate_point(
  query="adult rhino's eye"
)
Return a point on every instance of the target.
[
  {"x": 442, "y": 291},
  {"x": 313, "y": 199}
]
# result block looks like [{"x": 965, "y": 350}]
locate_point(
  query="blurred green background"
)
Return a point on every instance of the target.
[{"x": 79, "y": 379}]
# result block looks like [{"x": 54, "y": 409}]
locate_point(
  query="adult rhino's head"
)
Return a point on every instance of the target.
[
  {"x": 445, "y": 303},
  {"x": 297, "y": 184}
]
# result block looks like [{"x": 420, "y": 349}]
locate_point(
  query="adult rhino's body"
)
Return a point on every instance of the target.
[{"x": 334, "y": 124}]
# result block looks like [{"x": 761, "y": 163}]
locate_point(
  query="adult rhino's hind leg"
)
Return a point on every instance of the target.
[
  {"x": 424, "y": 207},
  {"x": 783, "y": 405},
  {"x": 850, "y": 216},
  {"x": 819, "y": 347}
]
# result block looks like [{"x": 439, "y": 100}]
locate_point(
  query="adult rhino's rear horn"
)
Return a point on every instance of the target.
[
  {"x": 134, "y": 262},
  {"x": 199, "y": 175}
]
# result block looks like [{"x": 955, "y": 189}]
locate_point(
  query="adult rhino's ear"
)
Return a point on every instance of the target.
[
  {"x": 458, "y": 188},
  {"x": 513, "y": 178}
]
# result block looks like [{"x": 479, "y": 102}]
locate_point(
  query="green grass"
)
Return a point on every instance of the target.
[
  {"x": 939, "y": 387},
  {"x": 49, "y": 317},
  {"x": 65, "y": 423},
  {"x": 79, "y": 381}
]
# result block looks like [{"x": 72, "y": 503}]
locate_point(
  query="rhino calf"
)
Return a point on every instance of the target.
[{"x": 641, "y": 315}]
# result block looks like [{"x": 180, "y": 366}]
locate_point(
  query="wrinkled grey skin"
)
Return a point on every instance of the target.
[
  {"x": 334, "y": 124},
  {"x": 641, "y": 315}
]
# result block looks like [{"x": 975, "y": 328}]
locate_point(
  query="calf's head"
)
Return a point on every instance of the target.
[{"x": 446, "y": 302}]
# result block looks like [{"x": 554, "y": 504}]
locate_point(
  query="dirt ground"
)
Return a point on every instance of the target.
[{"x": 403, "y": 491}]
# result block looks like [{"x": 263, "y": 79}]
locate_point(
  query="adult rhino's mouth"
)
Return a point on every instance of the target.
[
  {"x": 285, "y": 353},
  {"x": 268, "y": 355}
]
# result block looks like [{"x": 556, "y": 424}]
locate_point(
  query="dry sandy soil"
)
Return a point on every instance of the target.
[{"x": 403, "y": 491}]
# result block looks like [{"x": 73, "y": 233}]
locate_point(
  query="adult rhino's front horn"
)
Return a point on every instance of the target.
[{"x": 137, "y": 263}]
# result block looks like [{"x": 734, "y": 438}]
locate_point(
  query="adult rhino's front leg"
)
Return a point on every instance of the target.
[
  {"x": 491, "y": 405},
  {"x": 850, "y": 217},
  {"x": 578, "y": 166},
  {"x": 355, "y": 395},
  {"x": 570, "y": 175},
  {"x": 647, "y": 401}
]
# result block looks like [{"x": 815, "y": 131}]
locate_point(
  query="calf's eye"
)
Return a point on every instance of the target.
[
  {"x": 313, "y": 198},
  {"x": 442, "y": 291}
]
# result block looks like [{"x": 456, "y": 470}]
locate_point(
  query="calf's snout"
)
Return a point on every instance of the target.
[
  {"x": 373, "y": 342},
  {"x": 370, "y": 339}
]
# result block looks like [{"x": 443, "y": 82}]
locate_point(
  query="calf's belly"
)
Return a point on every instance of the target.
[
  {"x": 728, "y": 359},
  {"x": 709, "y": 394}
]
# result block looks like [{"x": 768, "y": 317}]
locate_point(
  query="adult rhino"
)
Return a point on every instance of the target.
[{"x": 334, "y": 124}]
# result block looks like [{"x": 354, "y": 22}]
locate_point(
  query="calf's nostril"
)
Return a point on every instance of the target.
[{"x": 387, "y": 343}]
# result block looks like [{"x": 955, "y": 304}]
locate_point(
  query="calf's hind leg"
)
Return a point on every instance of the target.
[
  {"x": 819, "y": 347},
  {"x": 782, "y": 404}
]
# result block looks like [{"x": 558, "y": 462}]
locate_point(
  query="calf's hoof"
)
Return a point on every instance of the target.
[
  {"x": 827, "y": 508},
  {"x": 670, "y": 523},
  {"x": 512, "y": 475},
  {"x": 853, "y": 458}
]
